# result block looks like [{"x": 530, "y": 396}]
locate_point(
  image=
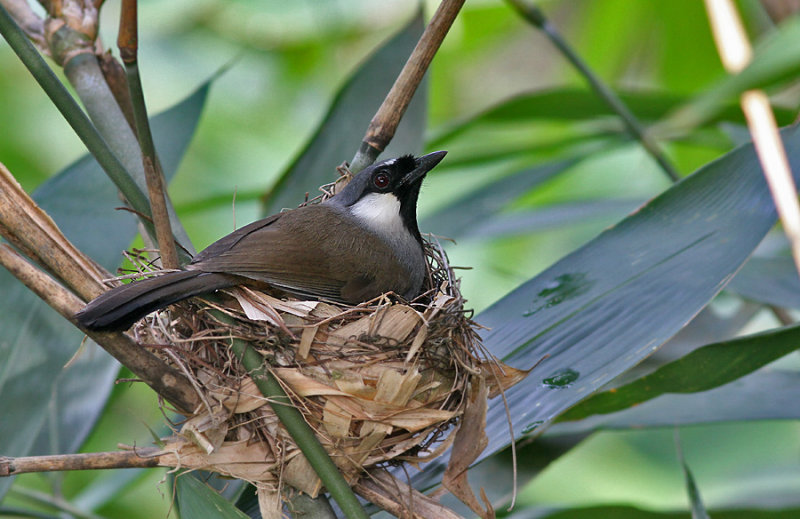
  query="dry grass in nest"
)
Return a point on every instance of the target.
[{"x": 382, "y": 382}]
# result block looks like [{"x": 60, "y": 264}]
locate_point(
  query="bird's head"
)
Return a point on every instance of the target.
[{"x": 384, "y": 195}]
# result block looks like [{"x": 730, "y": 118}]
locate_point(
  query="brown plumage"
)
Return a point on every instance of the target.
[{"x": 357, "y": 245}]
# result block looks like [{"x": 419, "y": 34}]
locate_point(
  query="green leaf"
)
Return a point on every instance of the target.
[
  {"x": 36, "y": 342},
  {"x": 771, "y": 281},
  {"x": 767, "y": 394},
  {"x": 196, "y": 499},
  {"x": 340, "y": 133},
  {"x": 695, "y": 500},
  {"x": 703, "y": 369}
]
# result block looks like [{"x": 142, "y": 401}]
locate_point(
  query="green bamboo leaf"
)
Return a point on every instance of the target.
[
  {"x": 703, "y": 369},
  {"x": 196, "y": 499},
  {"x": 340, "y": 133},
  {"x": 767, "y": 394},
  {"x": 549, "y": 217},
  {"x": 695, "y": 499},
  {"x": 771, "y": 281},
  {"x": 35, "y": 342}
]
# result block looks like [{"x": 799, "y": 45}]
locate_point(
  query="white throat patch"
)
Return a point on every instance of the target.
[{"x": 379, "y": 211}]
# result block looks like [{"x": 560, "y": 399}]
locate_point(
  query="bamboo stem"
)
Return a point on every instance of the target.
[
  {"x": 140, "y": 458},
  {"x": 153, "y": 174},
  {"x": 736, "y": 53},
  {"x": 384, "y": 123},
  {"x": 297, "y": 427}
]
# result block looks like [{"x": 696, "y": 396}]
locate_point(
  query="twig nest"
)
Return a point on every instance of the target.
[
  {"x": 382, "y": 382},
  {"x": 379, "y": 382}
]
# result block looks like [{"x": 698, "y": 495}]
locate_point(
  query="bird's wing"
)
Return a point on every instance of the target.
[{"x": 286, "y": 250}]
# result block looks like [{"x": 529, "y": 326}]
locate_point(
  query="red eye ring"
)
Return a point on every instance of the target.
[{"x": 381, "y": 180}]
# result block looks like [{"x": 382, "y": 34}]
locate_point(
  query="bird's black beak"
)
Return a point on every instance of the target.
[{"x": 424, "y": 164}]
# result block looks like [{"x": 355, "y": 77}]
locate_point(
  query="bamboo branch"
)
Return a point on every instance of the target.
[
  {"x": 536, "y": 17},
  {"x": 384, "y": 123},
  {"x": 398, "y": 498},
  {"x": 140, "y": 458},
  {"x": 165, "y": 380},
  {"x": 112, "y": 142},
  {"x": 154, "y": 176},
  {"x": 28, "y": 227},
  {"x": 736, "y": 53}
]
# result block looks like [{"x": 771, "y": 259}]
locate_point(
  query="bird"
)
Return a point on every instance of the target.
[{"x": 360, "y": 243}]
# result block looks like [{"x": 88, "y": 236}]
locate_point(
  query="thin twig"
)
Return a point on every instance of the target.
[
  {"x": 398, "y": 498},
  {"x": 154, "y": 176},
  {"x": 736, "y": 53},
  {"x": 536, "y": 17},
  {"x": 165, "y": 380},
  {"x": 139, "y": 458},
  {"x": 384, "y": 124}
]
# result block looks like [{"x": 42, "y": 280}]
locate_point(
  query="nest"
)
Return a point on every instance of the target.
[{"x": 383, "y": 382}]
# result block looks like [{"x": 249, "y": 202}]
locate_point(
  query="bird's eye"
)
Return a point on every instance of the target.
[{"x": 381, "y": 180}]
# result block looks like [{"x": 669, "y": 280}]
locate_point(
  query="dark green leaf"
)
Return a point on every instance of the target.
[
  {"x": 196, "y": 499},
  {"x": 701, "y": 370},
  {"x": 768, "y": 394},
  {"x": 606, "y": 306},
  {"x": 340, "y": 133},
  {"x": 35, "y": 342},
  {"x": 773, "y": 281}
]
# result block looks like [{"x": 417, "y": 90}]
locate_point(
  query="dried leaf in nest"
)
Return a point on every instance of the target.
[{"x": 381, "y": 382}]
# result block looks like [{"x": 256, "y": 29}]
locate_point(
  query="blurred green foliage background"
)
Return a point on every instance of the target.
[{"x": 286, "y": 61}]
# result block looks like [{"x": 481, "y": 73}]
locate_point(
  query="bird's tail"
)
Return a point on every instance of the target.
[{"x": 122, "y": 306}]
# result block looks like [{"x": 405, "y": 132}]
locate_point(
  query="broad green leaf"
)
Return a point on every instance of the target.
[
  {"x": 772, "y": 281},
  {"x": 35, "y": 342},
  {"x": 767, "y": 394},
  {"x": 703, "y": 369},
  {"x": 608, "y": 305},
  {"x": 340, "y": 133},
  {"x": 196, "y": 499}
]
